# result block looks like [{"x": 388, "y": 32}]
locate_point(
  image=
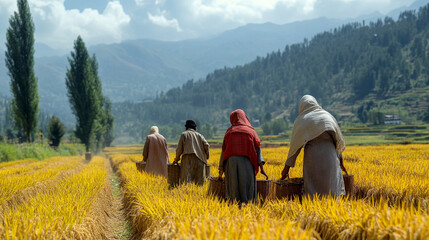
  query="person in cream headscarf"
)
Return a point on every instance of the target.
[
  {"x": 155, "y": 153},
  {"x": 318, "y": 133}
]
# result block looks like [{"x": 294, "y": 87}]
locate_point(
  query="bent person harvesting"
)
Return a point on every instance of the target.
[{"x": 318, "y": 133}]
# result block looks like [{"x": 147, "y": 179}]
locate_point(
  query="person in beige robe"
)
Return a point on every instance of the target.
[
  {"x": 155, "y": 153},
  {"x": 318, "y": 132},
  {"x": 194, "y": 150}
]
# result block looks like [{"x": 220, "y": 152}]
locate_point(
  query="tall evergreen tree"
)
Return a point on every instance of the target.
[
  {"x": 101, "y": 120},
  {"x": 20, "y": 63},
  {"x": 82, "y": 92}
]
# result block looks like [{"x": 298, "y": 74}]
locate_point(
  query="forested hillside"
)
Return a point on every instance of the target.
[{"x": 356, "y": 71}]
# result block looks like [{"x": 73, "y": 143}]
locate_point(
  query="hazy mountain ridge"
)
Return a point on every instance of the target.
[
  {"x": 359, "y": 72},
  {"x": 136, "y": 70},
  {"x": 414, "y": 6},
  {"x": 153, "y": 66}
]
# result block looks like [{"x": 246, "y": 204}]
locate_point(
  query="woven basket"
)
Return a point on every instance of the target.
[
  {"x": 216, "y": 187},
  {"x": 349, "y": 184},
  {"x": 288, "y": 188},
  {"x": 208, "y": 174},
  {"x": 173, "y": 174},
  {"x": 264, "y": 187},
  {"x": 141, "y": 166}
]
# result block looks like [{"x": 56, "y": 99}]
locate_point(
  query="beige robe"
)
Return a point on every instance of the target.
[
  {"x": 319, "y": 133},
  {"x": 322, "y": 171},
  {"x": 195, "y": 150},
  {"x": 192, "y": 142},
  {"x": 192, "y": 170},
  {"x": 155, "y": 154}
]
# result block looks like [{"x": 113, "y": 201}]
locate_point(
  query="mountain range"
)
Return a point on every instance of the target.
[
  {"x": 137, "y": 70},
  {"x": 359, "y": 72}
]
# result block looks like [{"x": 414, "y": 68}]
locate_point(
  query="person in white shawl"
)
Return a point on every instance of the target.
[
  {"x": 155, "y": 153},
  {"x": 318, "y": 133}
]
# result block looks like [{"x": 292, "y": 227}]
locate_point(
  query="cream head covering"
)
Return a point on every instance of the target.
[
  {"x": 310, "y": 123},
  {"x": 153, "y": 129}
]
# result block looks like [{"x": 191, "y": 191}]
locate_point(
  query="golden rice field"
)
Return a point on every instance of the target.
[
  {"x": 57, "y": 198},
  {"x": 391, "y": 201},
  {"x": 70, "y": 198}
]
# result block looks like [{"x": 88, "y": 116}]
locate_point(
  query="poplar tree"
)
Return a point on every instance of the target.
[
  {"x": 82, "y": 90},
  {"x": 20, "y": 63},
  {"x": 100, "y": 122},
  {"x": 104, "y": 123}
]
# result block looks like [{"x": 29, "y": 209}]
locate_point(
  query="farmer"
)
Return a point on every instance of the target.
[
  {"x": 155, "y": 153},
  {"x": 195, "y": 150},
  {"x": 318, "y": 132},
  {"x": 241, "y": 159}
]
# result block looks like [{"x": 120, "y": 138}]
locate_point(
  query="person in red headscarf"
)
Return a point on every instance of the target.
[{"x": 241, "y": 159}]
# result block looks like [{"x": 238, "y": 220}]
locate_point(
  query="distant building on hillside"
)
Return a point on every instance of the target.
[
  {"x": 256, "y": 123},
  {"x": 392, "y": 119}
]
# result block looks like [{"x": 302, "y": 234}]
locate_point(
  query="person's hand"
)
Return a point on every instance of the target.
[
  {"x": 263, "y": 172},
  {"x": 343, "y": 168},
  {"x": 285, "y": 173},
  {"x": 342, "y": 164},
  {"x": 220, "y": 174}
]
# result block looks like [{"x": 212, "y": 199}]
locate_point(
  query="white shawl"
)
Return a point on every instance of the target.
[{"x": 310, "y": 123}]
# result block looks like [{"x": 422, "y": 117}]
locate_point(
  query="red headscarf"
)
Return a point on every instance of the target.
[{"x": 240, "y": 139}]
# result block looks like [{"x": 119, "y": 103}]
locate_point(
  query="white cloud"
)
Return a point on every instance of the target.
[
  {"x": 140, "y": 2},
  {"x": 229, "y": 10},
  {"x": 58, "y": 27},
  {"x": 253, "y": 5},
  {"x": 253, "y": 11},
  {"x": 309, "y": 6},
  {"x": 162, "y": 21}
]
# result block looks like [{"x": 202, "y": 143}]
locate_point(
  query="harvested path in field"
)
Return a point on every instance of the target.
[{"x": 118, "y": 226}]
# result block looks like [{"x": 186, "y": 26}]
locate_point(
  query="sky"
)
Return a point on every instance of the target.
[{"x": 59, "y": 22}]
